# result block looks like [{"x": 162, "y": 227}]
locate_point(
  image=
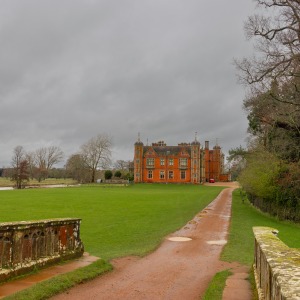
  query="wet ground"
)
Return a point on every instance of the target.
[{"x": 25, "y": 282}]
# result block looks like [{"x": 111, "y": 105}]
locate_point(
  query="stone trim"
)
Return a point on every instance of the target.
[
  {"x": 276, "y": 266},
  {"x": 27, "y": 244}
]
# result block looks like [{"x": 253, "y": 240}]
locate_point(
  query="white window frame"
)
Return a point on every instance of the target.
[
  {"x": 150, "y": 161},
  {"x": 183, "y": 162}
]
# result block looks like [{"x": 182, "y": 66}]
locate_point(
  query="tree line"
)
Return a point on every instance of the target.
[
  {"x": 269, "y": 168},
  {"x": 83, "y": 166}
]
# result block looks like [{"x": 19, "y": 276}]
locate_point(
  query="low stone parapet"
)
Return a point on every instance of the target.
[
  {"x": 28, "y": 244},
  {"x": 276, "y": 266}
]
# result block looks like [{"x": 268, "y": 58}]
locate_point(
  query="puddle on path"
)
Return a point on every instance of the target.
[
  {"x": 179, "y": 239},
  {"x": 219, "y": 242}
]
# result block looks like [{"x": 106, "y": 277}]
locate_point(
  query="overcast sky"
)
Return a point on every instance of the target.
[{"x": 71, "y": 69}]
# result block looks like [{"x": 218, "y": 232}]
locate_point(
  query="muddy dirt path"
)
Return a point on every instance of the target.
[{"x": 176, "y": 270}]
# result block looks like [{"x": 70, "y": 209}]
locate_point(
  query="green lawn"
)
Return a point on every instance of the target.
[
  {"x": 116, "y": 221},
  {"x": 241, "y": 239}
]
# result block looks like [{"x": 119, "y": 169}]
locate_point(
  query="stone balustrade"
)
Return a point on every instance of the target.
[
  {"x": 27, "y": 244},
  {"x": 276, "y": 266}
]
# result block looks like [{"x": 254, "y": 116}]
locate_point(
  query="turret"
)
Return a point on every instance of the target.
[
  {"x": 138, "y": 160},
  {"x": 195, "y": 161}
]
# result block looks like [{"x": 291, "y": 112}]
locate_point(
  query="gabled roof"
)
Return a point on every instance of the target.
[{"x": 168, "y": 150}]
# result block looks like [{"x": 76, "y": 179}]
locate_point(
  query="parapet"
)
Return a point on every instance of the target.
[
  {"x": 27, "y": 244},
  {"x": 276, "y": 266}
]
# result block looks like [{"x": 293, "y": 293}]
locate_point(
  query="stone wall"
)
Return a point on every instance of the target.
[
  {"x": 276, "y": 266},
  {"x": 25, "y": 245}
]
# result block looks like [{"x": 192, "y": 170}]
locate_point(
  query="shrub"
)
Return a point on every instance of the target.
[
  {"x": 108, "y": 174},
  {"x": 118, "y": 174}
]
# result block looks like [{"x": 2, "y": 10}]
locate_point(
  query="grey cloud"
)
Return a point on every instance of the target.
[{"x": 73, "y": 69}]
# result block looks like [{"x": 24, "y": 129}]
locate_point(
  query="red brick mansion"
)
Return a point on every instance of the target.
[{"x": 184, "y": 163}]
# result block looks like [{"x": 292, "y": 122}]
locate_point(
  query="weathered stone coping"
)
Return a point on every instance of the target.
[
  {"x": 27, "y": 244},
  {"x": 276, "y": 266}
]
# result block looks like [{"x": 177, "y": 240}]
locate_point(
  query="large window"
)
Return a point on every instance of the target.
[
  {"x": 171, "y": 161},
  {"x": 162, "y": 161},
  {"x": 162, "y": 174},
  {"x": 150, "y": 174},
  {"x": 183, "y": 162},
  {"x": 182, "y": 174},
  {"x": 171, "y": 174},
  {"x": 150, "y": 162}
]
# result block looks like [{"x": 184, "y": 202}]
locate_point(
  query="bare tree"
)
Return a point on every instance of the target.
[
  {"x": 20, "y": 167},
  {"x": 54, "y": 156},
  {"x": 45, "y": 158},
  {"x": 277, "y": 42},
  {"x": 40, "y": 162},
  {"x": 76, "y": 169},
  {"x": 30, "y": 157},
  {"x": 96, "y": 153},
  {"x": 273, "y": 76},
  {"x": 122, "y": 165}
]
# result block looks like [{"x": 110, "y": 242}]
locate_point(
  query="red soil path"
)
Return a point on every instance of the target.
[{"x": 176, "y": 270}]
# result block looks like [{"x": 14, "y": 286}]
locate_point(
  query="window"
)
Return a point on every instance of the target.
[
  {"x": 162, "y": 174},
  {"x": 171, "y": 161},
  {"x": 150, "y": 162},
  {"x": 150, "y": 174},
  {"x": 183, "y": 162},
  {"x": 171, "y": 174},
  {"x": 182, "y": 175},
  {"x": 137, "y": 175},
  {"x": 162, "y": 161},
  {"x": 137, "y": 161}
]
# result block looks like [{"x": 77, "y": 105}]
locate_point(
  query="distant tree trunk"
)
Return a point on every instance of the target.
[
  {"x": 20, "y": 167},
  {"x": 96, "y": 153}
]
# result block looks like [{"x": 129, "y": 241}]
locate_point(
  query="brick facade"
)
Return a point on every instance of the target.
[{"x": 184, "y": 163}]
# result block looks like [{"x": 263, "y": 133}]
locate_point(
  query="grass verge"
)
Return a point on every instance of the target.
[
  {"x": 240, "y": 246},
  {"x": 216, "y": 286},
  {"x": 55, "y": 285}
]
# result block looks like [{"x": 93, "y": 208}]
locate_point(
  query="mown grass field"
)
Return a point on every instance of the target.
[{"x": 116, "y": 221}]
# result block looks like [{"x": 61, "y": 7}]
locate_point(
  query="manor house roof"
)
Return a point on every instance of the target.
[{"x": 168, "y": 150}]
